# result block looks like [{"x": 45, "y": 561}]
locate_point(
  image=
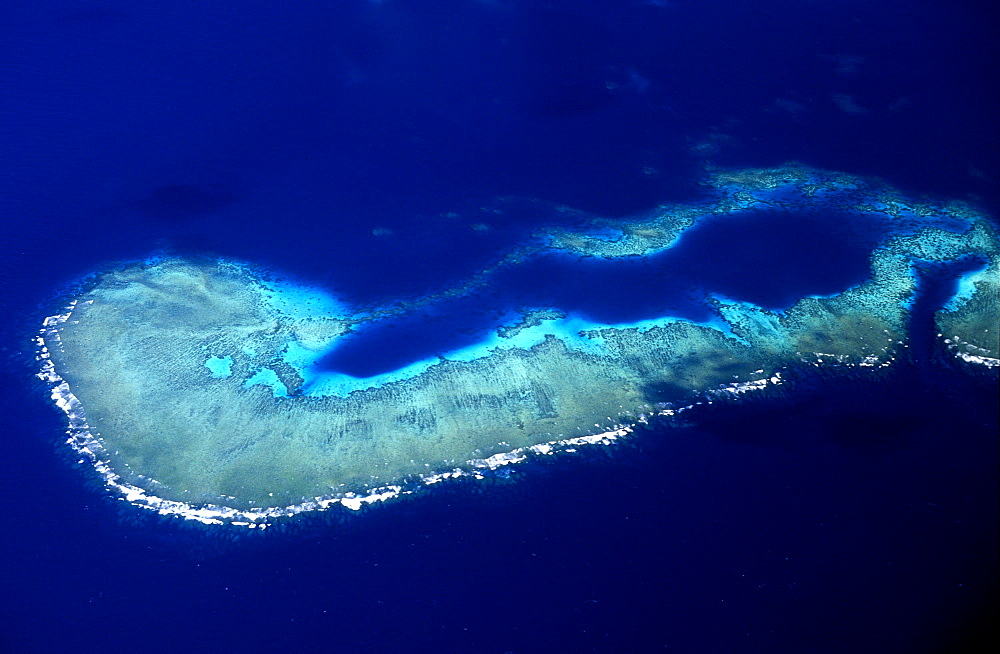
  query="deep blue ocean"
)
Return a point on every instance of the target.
[{"x": 386, "y": 150}]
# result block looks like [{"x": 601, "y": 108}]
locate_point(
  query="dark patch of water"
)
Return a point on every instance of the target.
[{"x": 770, "y": 258}]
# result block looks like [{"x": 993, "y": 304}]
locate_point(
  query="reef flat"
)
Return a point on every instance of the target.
[{"x": 196, "y": 387}]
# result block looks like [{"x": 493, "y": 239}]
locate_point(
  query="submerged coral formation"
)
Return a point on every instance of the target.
[{"x": 192, "y": 386}]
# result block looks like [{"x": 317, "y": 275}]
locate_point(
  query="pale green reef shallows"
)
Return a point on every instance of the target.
[{"x": 175, "y": 375}]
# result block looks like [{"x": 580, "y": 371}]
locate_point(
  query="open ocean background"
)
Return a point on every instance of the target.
[{"x": 387, "y": 149}]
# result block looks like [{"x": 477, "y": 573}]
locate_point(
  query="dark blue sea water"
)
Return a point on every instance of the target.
[
  {"x": 778, "y": 248},
  {"x": 385, "y": 150}
]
